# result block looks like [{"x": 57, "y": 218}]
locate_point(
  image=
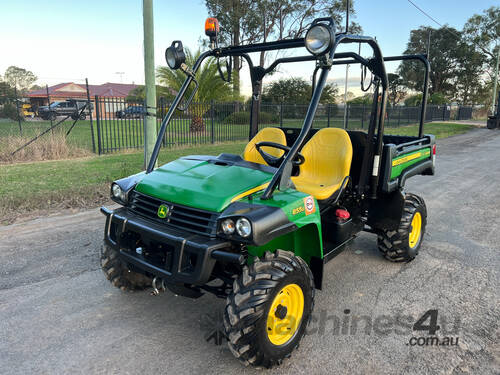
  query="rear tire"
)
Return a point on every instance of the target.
[
  {"x": 403, "y": 244},
  {"x": 118, "y": 274},
  {"x": 260, "y": 330}
]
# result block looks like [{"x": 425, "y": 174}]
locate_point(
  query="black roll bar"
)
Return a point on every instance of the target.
[
  {"x": 356, "y": 59},
  {"x": 324, "y": 63}
]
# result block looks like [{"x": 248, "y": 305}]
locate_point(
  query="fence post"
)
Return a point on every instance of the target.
[
  {"x": 48, "y": 104},
  {"x": 347, "y": 116},
  {"x": 212, "y": 113},
  {"x": 444, "y": 112},
  {"x": 18, "y": 111},
  {"x": 328, "y": 112},
  {"x": 399, "y": 116},
  {"x": 89, "y": 104},
  {"x": 98, "y": 124},
  {"x": 281, "y": 115},
  {"x": 363, "y": 116}
]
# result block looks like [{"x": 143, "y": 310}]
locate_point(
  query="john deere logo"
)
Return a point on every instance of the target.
[{"x": 163, "y": 211}]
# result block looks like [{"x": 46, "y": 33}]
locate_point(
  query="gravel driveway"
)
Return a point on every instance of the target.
[{"x": 58, "y": 314}]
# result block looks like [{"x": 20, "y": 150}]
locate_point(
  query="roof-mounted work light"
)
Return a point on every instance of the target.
[
  {"x": 175, "y": 55},
  {"x": 319, "y": 38}
]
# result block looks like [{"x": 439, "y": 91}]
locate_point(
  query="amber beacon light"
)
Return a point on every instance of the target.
[{"x": 212, "y": 28}]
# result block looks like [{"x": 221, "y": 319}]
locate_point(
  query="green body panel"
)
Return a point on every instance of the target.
[
  {"x": 400, "y": 163},
  {"x": 200, "y": 184},
  {"x": 306, "y": 240}
]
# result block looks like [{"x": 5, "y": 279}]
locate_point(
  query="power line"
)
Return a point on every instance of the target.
[
  {"x": 447, "y": 28},
  {"x": 433, "y": 19}
]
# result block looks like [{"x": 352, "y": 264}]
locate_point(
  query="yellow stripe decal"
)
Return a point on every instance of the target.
[
  {"x": 248, "y": 192},
  {"x": 410, "y": 157}
]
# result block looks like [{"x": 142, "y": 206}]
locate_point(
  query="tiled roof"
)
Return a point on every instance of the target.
[{"x": 115, "y": 90}]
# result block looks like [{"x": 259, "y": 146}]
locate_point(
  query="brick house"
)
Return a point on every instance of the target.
[{"x": 71, "y": 90}]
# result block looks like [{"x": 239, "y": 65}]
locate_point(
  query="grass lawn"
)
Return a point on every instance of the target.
[{"x": 84, "y": 183}]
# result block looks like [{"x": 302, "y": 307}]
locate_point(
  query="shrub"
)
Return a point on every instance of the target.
[
  {"x": 243, "y": 118},
  {"x": 48, "y": 147},
  {"x": 9, "y": 110}
]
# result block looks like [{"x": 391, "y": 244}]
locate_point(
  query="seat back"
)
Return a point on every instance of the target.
[
  {"x": 265, "y": 135},
  {"x": 328, "y": 156}
]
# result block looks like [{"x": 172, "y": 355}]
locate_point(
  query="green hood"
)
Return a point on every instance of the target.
[{"x": 201, "y": 184}]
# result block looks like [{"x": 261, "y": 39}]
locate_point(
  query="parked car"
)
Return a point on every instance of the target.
[
  {"x": 132, "y": 111},
  {"x": 70, "y": 107}
]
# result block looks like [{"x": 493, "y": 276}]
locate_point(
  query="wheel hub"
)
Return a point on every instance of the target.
[{"x": 285, "y": 314}]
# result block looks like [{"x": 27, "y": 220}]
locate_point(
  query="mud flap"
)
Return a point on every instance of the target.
[{"x": 385, "y": 212}]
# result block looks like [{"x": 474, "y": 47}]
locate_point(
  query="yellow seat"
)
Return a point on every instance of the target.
[
  {"x": 265, "y": 135},
  {"x": 328, "y": 156}
]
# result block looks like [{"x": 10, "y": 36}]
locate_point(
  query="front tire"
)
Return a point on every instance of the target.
[
  {"x": 267, "y": 313},
  {"x": 118, "y": 274},
  {"x": 403, "y": 244}
]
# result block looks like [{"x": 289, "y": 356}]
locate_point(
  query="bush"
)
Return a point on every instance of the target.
[
  {"x": 9, "y": 110},
  {"x": 243, "y": 118}
]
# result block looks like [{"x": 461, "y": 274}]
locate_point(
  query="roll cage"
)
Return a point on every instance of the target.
[{"x": 324, "y": 62}]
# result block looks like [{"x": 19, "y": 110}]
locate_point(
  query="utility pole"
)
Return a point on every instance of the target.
[
  {"x": 149, "y": 78},
  {"x": 495, "y": 80}
]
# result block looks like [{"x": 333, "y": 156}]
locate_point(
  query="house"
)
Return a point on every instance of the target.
[{"x": 112, "y": 92}]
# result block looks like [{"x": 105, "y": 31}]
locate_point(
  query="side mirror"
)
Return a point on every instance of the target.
[{"x": 175, "y": 55}]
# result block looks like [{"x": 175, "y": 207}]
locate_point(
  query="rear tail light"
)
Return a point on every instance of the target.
[{"x": 434, "y": 150}]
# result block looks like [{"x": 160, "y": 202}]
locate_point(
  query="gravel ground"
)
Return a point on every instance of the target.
[{"x": 59, "y": 315}]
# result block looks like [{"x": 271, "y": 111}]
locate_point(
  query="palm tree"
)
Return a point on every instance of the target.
[{"x": 211, "y": 86}]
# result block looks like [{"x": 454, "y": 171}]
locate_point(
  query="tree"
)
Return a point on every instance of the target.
[
  {"x": 397, "y": 90},
  {"x": 211, "y": 87},
  {"x": 6, "y": 93},
  {"x": 295, "y": 91},
  {"x": 444, "y": 49},
  {"x": 19, "y": 78},
  {"x": 470, "y": 73},
  {"x": 436, "y": 98},
  {"x": 138, "y": 94},
  {"x": 483, "y": 31},
  {"x": 251, "y": 21},
  {"x": 364, "y": 99}
]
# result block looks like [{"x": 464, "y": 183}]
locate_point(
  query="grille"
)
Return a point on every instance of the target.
[{"x": 188, "y": 218}]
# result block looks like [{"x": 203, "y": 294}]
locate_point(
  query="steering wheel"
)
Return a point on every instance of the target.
[{"x": 274, "y": 161}]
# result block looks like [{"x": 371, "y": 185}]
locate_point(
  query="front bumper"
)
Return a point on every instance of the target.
[{"x": 174, "y": 255}]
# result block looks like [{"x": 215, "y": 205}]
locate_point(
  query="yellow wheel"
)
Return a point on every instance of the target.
[
  {"x": 268, "y": 310},
  {"x": 416, "y": 230},
  {"x": 285, "y": 314}
]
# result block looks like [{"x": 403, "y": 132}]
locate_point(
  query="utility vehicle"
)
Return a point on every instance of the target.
[
  {"x": 70, "y": 107},
  {"x": 258, "y": 230}
]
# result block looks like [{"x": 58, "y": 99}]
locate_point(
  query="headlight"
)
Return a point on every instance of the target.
[
  {"x": 175, "y": 55},
  {"x": 228, "y": 226},
  {"x": 318, "y": 39},
  {"x": 118, "y": 193},
  {"x": 243, "y": 227}
]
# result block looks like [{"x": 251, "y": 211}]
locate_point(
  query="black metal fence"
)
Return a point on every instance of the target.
[{"x": 120, "y": 125}]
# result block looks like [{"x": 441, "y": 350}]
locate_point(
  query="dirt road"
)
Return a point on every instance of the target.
[{"x": 58, "y": 314}]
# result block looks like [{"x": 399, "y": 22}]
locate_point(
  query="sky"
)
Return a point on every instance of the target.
[{"x": 102, "y": 40}]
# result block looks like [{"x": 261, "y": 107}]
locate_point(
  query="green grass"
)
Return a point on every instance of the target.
[
  {"x": 439, "y": 129},
  {"x": 84, "y": 182},
  {"x": 27, "y": 187}
]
